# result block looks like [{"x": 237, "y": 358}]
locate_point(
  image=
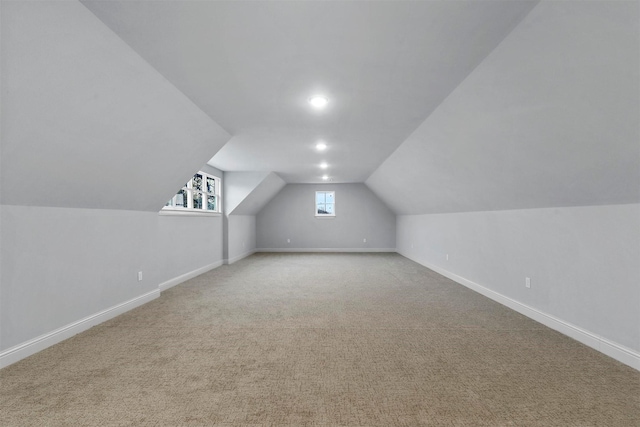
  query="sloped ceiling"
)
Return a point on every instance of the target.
[
  {"x": 88, "y": 123},
  {"x": 438, "y": 105},
  {"x": 246, "y": 193},
  {"x": 550, "y": 118},
  {"x": 251, "y": 66}
]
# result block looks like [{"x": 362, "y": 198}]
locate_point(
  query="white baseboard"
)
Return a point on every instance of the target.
[
  {"x": 239, "y": 257},
  {"x": 326, "y": 250},
  {"x": 186, "y": 276},
  {"x": 620, "y": 353},
  {"x": 20, "y": 351}
]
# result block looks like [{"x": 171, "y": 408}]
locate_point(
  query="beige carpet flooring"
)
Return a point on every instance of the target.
[{"x": 320, "y": 340}]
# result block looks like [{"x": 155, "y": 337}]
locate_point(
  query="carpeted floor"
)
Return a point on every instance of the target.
[{"x": 320, "y": 340}]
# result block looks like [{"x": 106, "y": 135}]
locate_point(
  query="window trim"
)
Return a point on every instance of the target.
[
  {"x": 169, "y": 210},
  {"x": 191, "y": 211},
  {"x": 315, "y": 204}
]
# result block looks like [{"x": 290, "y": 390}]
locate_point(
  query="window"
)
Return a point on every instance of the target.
[
  {"x": 200, "y": 194},
  {"x": 325, "y": 203}
]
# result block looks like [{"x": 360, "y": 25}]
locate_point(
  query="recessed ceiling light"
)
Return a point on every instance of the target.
[
  {"x": 325, "y": 177},
  {"x": 320, "y": 146},
  {"x": 324, "y": 165},
  {"x": 318, "y": 101}
]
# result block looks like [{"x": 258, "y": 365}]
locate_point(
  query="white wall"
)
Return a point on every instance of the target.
[
  {"x": 62, "y": 265},
  {"x": 94, "y": 142},
  {"x": 187, "y": 244},
  {"x": 85, "y": 120},
  {"x": 242, "y": 237},
  {"x": 238, "y": 185},
  {"x": 258, "y": 196},
  {"x": 359, "y": 215},
  {"x": 245, "y": 194},
  {"x": 549, "y": 118},
  {"x": 582, "y": 261},
  {"x": 531, "y": 168}
]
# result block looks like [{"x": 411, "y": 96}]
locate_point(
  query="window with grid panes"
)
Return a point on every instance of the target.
[
  {"x": 200, "y": 194},
  {"x": 325, "y": 203}
]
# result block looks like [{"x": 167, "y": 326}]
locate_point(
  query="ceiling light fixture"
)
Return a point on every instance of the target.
[
  {"x": 324, "y": 165},
  {"x": 321, "y": 146},
  {"x": 318, "y": 101}
]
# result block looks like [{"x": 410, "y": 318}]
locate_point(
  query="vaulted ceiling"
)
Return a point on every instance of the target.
[
  {"x": 251, "y": 66},
  {"x": 550, "y": 118},
  {"x": 86, "y": 122},
  {"x": 438, "y": 106}
]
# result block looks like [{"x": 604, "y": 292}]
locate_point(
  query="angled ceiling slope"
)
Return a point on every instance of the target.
[
  {"x": 86, "y": 120},
  {"x": 251, "y": 66},
  {"x": 246, "y": 193},
  {"x": 549, "y": 118}
]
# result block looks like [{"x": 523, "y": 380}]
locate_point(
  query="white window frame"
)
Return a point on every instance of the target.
[
  {"x": 315, "y": 204},
  {"x": 172, "y": 209}
]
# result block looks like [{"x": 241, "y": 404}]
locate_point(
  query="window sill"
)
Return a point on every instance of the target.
[{"x": 187, "y": 212}]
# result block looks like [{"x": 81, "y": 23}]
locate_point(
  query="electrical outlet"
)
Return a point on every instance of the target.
[
  {"x": 288, "y": 240},
  {"x": 447, "y": 257},
  {"x": 139, "y": 276},
  {"x": 527, "y": 282},
  {"x": 364, "y": 240}
]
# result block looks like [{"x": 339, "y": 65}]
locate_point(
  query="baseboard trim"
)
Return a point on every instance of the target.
[
  {"x": 619, "y": 352},
  {"x": 26, "y": 349},
  {"x": 186, "y": 276},
  {"x": 239, "y": 257},
  {"x": 326, "y": 250}
]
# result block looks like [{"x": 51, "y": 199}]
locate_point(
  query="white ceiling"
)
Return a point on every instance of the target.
[
  {"x": 251, "y": 66},
  {"x": 550, "y": 118},
  {"x": 80, "y": 109}
]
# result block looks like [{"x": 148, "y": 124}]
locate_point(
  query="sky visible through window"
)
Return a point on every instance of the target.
[{"x": 325, "y": 203}]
